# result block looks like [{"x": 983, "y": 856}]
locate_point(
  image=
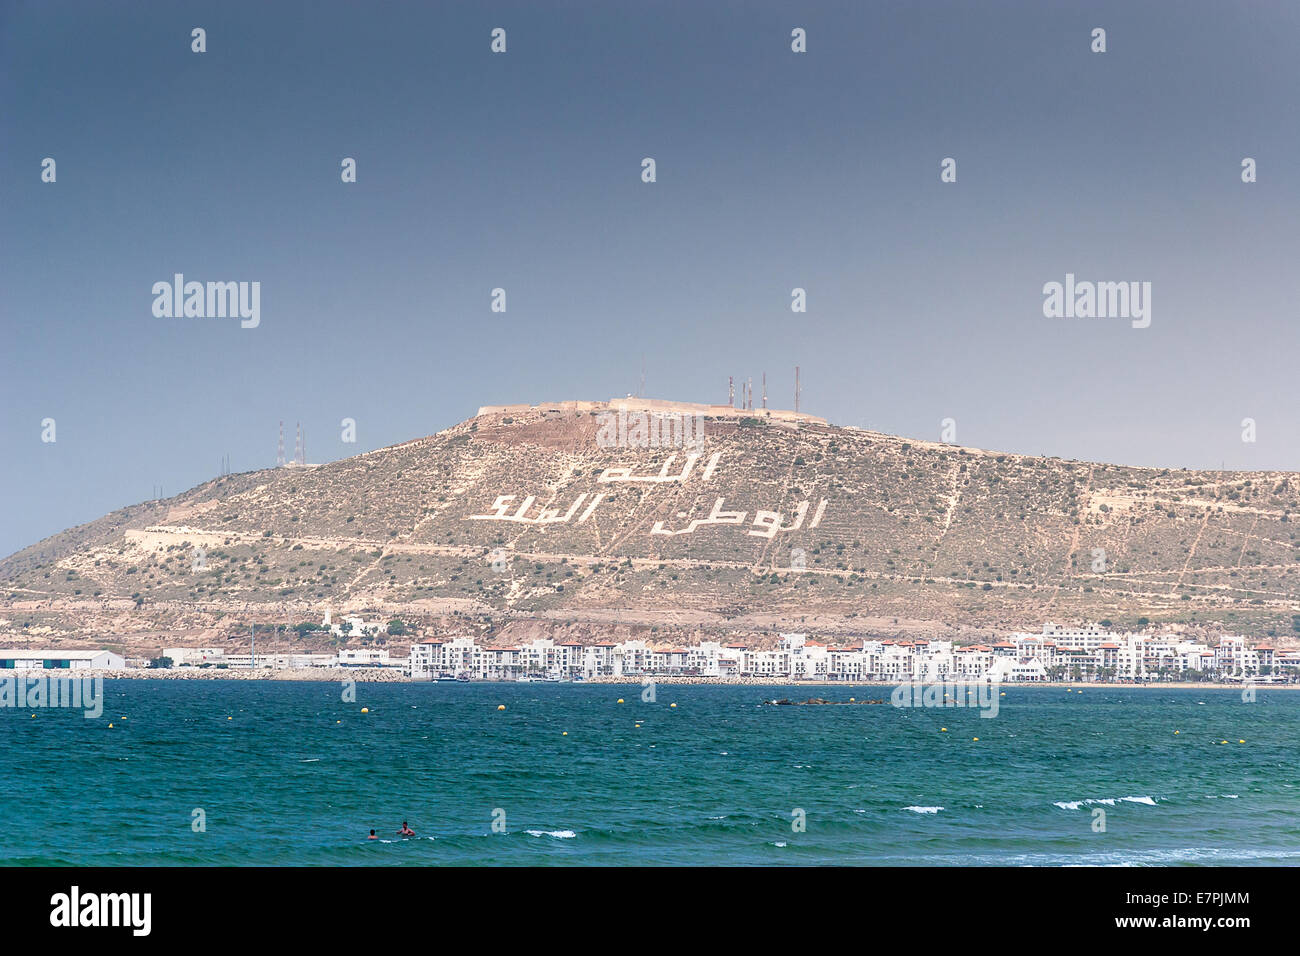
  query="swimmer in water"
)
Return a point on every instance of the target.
[
  {"x": 405, "y": 831},
  {"x": 372, "y": 835}
]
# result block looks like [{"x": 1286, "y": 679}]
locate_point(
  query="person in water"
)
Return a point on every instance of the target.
[
  {"x": 405, "y": 831},
  {"x": 372, "y": 835}
]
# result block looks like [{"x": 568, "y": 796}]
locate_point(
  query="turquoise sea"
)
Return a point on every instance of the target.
[{"x": 288, "y": 773}]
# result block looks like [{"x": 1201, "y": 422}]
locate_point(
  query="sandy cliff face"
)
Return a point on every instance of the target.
[{"x": 567, "y": 520}]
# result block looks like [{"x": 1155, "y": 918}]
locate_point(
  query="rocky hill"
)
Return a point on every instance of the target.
[{"x": 554, "y": 519}]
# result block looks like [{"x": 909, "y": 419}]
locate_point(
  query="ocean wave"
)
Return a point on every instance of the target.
[
  {"x": 1105, "y": 801},
  {"x": 924, "y": 809},
  {"x": 558, "y": 834}
]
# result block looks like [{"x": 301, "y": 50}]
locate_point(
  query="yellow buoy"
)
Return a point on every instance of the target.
[
  {"x": 853, "y": 700},
  {"x": 565, "y": 734},
  {"x": 365, "y": 710},
  {"x": 338, "y": 721},
  {"x": 620, "y": 700},
  {"x": 1004, "y": 693},
  {"x": 1223, "y": 741},
  {"x": 110, "y": 726},
  {"x": 974, "y": 738},
  {"x": 943, "y": 730},
  {"x": 230, "y": 718},
  {"x": 1175, "y": 733},
  {"x": 672, "y": 705},
  {"x": 501, "y": 706},
  {"x": 1241, "y": 741}
]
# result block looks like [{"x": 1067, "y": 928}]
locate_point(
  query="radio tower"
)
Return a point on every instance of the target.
[
  {"x": 731, "y": 391},
  {"x": 797, "y": 388},
  {"x": 297, "y": 446},
  {"x": 279, "y": 450},
  {"x": 765, "y": 390}
]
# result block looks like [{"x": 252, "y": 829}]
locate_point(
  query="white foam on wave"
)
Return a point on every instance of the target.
[
  {"x": 558, "y": 834},
  {"x": 924, "y": 809},
  {"x": 1106, "y": 801}
]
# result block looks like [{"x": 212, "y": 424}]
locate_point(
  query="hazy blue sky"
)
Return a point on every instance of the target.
[{"x": 522, "y": 170}]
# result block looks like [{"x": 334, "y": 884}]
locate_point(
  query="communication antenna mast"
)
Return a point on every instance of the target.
[
  {"x": 279, "y": 449},
  {"x": 731, "y": 391},
  {"x": 797, "y": 388},
  {"x": 765, "y": 390}
]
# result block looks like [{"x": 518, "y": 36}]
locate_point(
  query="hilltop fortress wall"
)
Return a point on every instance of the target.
[{"x": 655, "y": 406}]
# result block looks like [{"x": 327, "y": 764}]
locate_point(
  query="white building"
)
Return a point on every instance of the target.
[
  {"x": 27, "y": 660},
  {"x": 363, "y": 657},
  {"x": 194, "y": 656},
  {"x": 1013, "y": 669},
  {"x": 1086, "y": 653}
]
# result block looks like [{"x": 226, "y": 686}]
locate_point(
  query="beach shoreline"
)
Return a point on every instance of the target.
[{"x": 393, "y": 676}]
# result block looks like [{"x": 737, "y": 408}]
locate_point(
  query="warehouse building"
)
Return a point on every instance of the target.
[{"x": 30, "y": 660}]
